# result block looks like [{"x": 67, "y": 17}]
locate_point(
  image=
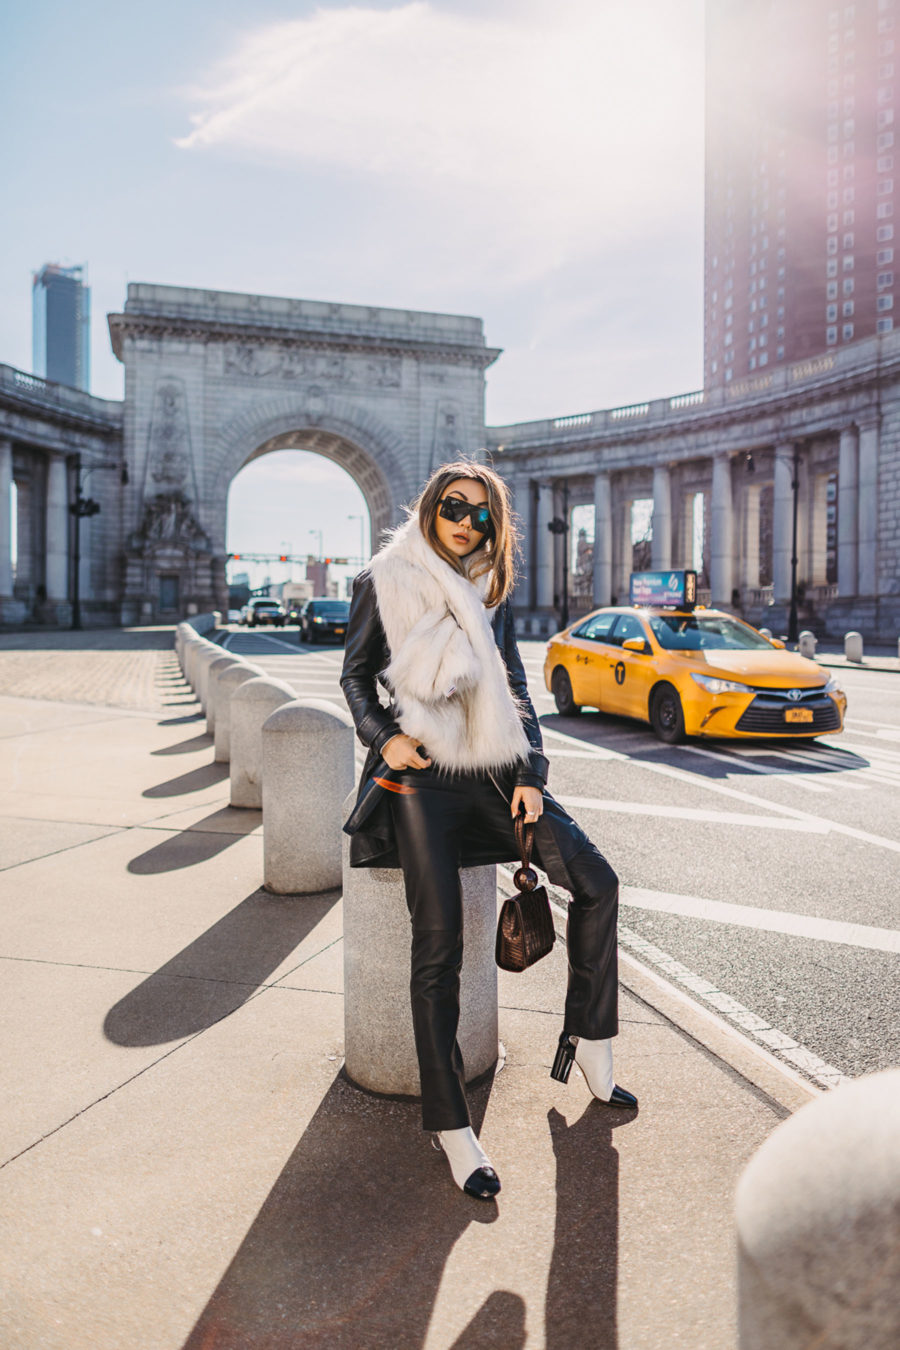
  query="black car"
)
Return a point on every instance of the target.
[
  {"x": 322, "y": 617},
  {"x": 264, "y": 611}
]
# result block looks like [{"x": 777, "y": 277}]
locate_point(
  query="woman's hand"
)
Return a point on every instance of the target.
[
  {"x": 402, "y": 752},
  {"x": 531, "y": 799}
]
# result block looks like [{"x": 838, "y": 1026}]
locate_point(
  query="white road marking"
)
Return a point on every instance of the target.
[
  {"x": 725, "y": 758},
  {"x": 765, "y": 920},
  {"x": 778, "y": 1044},
  {"x": 811, "y": 826},
  {"x": 695, "y": 780}
]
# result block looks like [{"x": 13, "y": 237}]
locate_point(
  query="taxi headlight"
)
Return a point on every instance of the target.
[
  {"x": 833, "y": 686},
  {"x": 713, "y": 685}
]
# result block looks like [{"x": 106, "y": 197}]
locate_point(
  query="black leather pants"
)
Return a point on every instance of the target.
[{"x": 433, "y": 814}]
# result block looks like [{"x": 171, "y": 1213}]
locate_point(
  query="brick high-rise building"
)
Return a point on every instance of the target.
[{"x": 800, "y": 174}]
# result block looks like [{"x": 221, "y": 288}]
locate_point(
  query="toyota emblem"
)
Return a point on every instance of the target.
[{"x": 794, "y": 695}]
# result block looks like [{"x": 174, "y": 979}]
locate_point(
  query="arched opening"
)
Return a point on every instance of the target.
[{"x": 298, "y": 524}]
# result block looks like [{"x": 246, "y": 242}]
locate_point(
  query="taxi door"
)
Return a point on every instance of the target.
[
  {"x": 588, "y": 663},
  {"x": 631, "y": 673}
]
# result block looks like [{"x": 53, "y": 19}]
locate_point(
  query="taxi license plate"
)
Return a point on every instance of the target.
[
  {"x": 339, "y": 630},
  {"x": 798, "y": 714}
]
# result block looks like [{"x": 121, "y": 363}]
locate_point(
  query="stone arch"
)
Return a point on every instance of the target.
[{"x": 333, "y": 427}]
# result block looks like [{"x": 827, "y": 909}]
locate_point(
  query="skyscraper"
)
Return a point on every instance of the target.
[
  {"x": 800, "y": 200},
  {"x": 61, "y": 321}
]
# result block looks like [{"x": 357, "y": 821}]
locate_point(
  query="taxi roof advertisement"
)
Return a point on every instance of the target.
[{"x": 664, "y": 588}]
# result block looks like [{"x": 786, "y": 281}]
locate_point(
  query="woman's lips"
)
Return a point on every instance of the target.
[{"x": 461, "y": 538}]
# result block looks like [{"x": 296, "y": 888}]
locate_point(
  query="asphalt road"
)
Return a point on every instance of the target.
[{"x": 761, "y": 877}]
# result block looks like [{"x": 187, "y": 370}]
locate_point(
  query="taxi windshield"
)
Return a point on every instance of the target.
[{"x": 699, "y": 632}]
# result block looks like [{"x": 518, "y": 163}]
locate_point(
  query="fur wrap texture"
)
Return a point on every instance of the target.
[{"x": 447, "y": 676}]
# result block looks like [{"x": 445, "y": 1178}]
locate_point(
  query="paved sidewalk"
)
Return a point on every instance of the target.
[{"x": 182, "y": 1161}]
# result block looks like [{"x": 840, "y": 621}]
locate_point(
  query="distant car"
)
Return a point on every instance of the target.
[
  {"x": 690, "y": 672},
  {"x": 263, "y": 611},
  {"x": 322, "y": 617},
  {"x": 234, "y": 615}
]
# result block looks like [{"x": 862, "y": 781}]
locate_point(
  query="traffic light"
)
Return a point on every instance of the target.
[
  {"x": 282, "y": 557},
  {"x": 235, "y": 557}
]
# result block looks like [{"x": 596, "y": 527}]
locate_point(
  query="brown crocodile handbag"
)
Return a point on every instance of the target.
[{"x": 525, "y": 930}]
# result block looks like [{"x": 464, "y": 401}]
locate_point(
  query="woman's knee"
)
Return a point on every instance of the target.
[{"x": 593, "y": 879}]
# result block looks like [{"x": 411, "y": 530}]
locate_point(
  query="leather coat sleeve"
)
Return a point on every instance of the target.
[
  {"x": 365, "y": 656},
  {"x": 534, "y": 773}
]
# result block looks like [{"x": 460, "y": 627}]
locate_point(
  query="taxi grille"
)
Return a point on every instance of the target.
[{"x": 765, "y": 715}]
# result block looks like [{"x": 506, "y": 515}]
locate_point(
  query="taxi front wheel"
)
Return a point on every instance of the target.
[
  {"x": 667, "y": 715},
  {"x": 561, "y": 688}
]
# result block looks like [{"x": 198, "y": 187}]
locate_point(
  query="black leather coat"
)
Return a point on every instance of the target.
[{"x": 366, "y": 656}]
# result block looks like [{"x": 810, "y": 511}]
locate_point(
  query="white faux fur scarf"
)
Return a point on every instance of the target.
[{"x": 449, "y": 682}]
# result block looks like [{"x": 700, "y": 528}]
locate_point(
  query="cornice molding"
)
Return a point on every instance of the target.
[{"x": 122, "y": 326}]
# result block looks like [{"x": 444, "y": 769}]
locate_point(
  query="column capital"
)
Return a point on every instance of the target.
[{"x": 869, "y": 420}]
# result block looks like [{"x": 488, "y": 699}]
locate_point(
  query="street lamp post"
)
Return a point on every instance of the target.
[
  {"x": 793, "y": 622},
  {"x": 80, "y": 509},
  {"x": 560, "y": 525},
  {"x": 362, "y": 538}
]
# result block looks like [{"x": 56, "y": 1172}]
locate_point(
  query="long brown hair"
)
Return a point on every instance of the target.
[{"x": 496, "y": 553}]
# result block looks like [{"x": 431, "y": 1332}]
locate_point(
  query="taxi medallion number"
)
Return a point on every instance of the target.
[{"x": 798, "y": 714}]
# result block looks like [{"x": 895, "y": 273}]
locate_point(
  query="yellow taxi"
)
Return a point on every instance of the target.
[{"x": 687, "y": 670}]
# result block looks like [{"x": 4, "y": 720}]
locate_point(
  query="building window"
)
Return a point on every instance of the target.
[
  {"x": 764, "y": 358},
  {"x": 831, "y": 290},
  {"x": 752, "y": 363},
  {"x": 884, "y": 255},
  {"x": 884, "y": 302},
  {"x": 886, "y": 94},
  {"x": 849, "y": 196},
  {"x": 847, "y": 332},
  {"x": 764, "y": 321},
  {"x": 832, "y": 154},
  {"x": 831, "y": 267},
  {"x": 830, "y": 335},
  {"x": 849, "y": 149},
  {"x": 849, "y": 218},
  {"x": 886, "y": 71},
  {"x": 884, "y": 233},
  {"x": 885, "y": 278},
  {"x": 848, "y": 262},
  {"x": 831, "y": 223},
  {"x": 831, "y": 203},
  {"x": 847, "y": 310},
  {"x": 885, "y": 187},
  {"x": 885, "y": 118},
  {"x": 885, "y": 140},
  {"x": 884, "y": 209},
  {"x": 848, "y": 286},
  {"x": 780, "y": 354},
  {"x": 884, "y": 325},
  {"x": 848, "y": 241},
  {"x": 831, "y": 313},
  {"x": 884, "y": 163},
  {"x": 832, "y": 177}
]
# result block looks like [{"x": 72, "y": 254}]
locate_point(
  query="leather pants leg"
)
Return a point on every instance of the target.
[{"x": 428, "y": 815}]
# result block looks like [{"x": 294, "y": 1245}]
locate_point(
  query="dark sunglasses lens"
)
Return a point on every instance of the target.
[{"x": 452, "y": 508}]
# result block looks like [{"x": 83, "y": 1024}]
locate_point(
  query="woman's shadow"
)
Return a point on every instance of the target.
[{"x": 349, "y": 1248}]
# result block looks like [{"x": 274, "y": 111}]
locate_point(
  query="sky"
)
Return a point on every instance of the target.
[{"x": 538, "y": 163}]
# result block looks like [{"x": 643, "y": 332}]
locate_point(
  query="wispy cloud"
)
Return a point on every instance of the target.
[{"x": 526, "y": 138}]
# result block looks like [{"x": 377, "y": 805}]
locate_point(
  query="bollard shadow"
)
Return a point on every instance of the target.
[
  {"x": 218, "y": 972},
  {"x": 196, "y": 844},
  {"x": 351, "y": 1243},
  {"x": 181, "y": 721},
  {"x": 581, "y": 1291},
  {"x": 195, "y": 780},
  {"x": 202, "y": 741},
  {"x": 500, "y": 1321}
]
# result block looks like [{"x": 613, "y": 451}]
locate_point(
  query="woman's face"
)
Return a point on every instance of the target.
[{"x": 461, "y": 537}]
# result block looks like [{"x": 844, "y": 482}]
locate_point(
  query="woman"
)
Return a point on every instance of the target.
[{"x": 451, "y": 762}]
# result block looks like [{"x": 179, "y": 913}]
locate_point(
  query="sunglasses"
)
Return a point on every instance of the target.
[{"x": 457, "y": 509}]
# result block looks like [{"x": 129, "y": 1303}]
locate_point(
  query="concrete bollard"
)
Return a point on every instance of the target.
[
  {"x": 378, "y": 1036},
  {"x": 818, "y": 1222},
  {"x": 182, "y": 632},
  {"x": 853, "y": 646},
  {"x": 766, "y": 632},
  {"x": 807, "y": 644},
  {"x": 191, "y": 647},
  {"x": 228, "y": 683},
  {"x": 251, "y": 704},
  {"x": 199, "y": 647},
  {"x": 211, "y": 652},
  {"x": 308, "y": 769},
  {"x": 224, "y": 661}
]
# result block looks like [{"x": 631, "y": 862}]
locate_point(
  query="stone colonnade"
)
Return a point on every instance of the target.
[
  {"x": 36, "y": 580},
  {"x": 744, "y": 552}
]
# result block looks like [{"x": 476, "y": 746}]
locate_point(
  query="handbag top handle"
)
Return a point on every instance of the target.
[{"x": 525, "y": 878}]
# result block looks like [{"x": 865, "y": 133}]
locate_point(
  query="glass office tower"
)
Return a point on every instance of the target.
[{"x": 61, "y": 322}]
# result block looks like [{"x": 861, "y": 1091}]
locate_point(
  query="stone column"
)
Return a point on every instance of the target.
[
  {"x": 57, "y": 556},
  {"x": 750, "y": 541},
  {"x": 603, "y": 554},
  {"x": 520, "y": 501},
  {"x": 543, "y": 547},
  {"x": 783, "y": 523},
  {"x": 623, "y": 551},
  {"x": 848, "y": 511},
  {"x": 6, "y": 576},
  {"x": 661, "y": 546},
  {"x": 722, "y": 532},
  {"x": 868, "y": 506},
  {"x": 818, "y": 531}
]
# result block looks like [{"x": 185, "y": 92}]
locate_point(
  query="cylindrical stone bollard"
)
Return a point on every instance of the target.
[
  {"x": 807, "y": 644},
  {"x": 182, "y": 633},
  {"x": 308, "y": 770},
  {"x": 192, "y": 645},
  {"x": 378, "y": 1036},
  {"x": 217, "y": 668},
  {"x": 251, "y": 704},
  {"x": 227, "y": 684},
  {"x": 818, "y": 1225},
  {"x": 766, "y": 632},
  {"x": 211, "y": 652},
  {"x": 853, "y": 646},
  {"x": 200, "y": 648}
]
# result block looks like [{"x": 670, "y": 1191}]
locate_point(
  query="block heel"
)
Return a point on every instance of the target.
[{"x": 565, "y": 1057}]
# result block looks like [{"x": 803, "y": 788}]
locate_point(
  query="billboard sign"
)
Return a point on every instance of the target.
[{"x": 673, "y": 588}]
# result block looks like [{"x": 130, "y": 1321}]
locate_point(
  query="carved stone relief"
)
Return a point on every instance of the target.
[
  {"x": 287, "y": 363},
  {"x": 169, "y": 522},
  {"x": 170, "y": 463},
  {"x": 450, "y": 440}
]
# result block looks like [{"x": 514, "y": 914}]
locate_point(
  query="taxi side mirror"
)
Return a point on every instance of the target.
[{"x": 635, "y": 645}]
